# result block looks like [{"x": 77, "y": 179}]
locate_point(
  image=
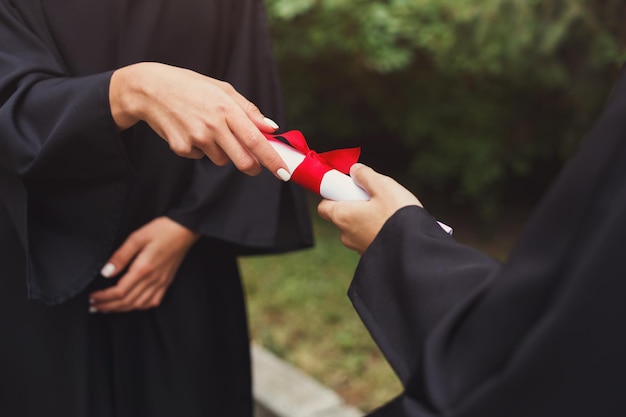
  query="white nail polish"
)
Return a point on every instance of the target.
[
  {"x": 93, "y": 310},
  {"x": 108, "y": 270},
  {"x": 270, "y": 123},
  {"x": 283, "y": 174}
]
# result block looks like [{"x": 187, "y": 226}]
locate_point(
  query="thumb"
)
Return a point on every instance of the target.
[
  {"x": 122, "y": 257},
  {"x": 364, "y": 177}
]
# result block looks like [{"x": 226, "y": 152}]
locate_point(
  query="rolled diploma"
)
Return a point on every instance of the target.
[{"x": 335, "y": 185}]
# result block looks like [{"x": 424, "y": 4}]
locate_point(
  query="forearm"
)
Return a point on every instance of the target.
[
  {"x": 59, "y": 127},
  {"x": 412, "y": 276}
]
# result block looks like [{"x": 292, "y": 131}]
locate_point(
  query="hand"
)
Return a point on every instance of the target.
[
  {"x": 196, "y": 115},
  {"x": 360, "y": 221},
  {"x": 154, "y": 253}
]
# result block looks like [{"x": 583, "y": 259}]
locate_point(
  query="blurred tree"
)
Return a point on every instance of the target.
[{"x": 460, "y": 95}]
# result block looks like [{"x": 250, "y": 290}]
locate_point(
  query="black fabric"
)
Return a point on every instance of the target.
[
  {"x": 538, "y": 336},
  {"x": 87, "y": 185},
  {"x": 188, "y": 357},
  {"x": 72, "y": 188}
]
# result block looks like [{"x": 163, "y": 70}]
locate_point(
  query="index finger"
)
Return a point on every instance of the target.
[
  {"x": 325, "y": 209},
  {"x": 249, "y": 135}
]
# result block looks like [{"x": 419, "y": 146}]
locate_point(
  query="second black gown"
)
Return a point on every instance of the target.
[{"x": 541, "y": 335}]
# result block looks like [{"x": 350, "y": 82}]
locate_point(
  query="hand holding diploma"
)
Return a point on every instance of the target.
[
  {"x": 357, "y": 205},
  {"x": 195, "y": 114},
  {"x": 360, "y": 221}
]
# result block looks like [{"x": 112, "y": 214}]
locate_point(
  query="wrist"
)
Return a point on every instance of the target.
[
  {"x": 126, "y": 94},
  {"x": 183, "y": 232}
]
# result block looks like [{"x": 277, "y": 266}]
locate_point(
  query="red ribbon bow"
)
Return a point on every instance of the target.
[{"x": 310, "y": 172}]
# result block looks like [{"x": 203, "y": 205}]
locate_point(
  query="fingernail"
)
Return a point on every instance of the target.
[
  {"x": 283, "y": 174},
  {"x": 270, "y": 123},
  {"x": 354, "y": 167},
  {"x": 92, "y": 301},
  {"x": 108, "y": 270},
  {"x": 93, "y": 310}
]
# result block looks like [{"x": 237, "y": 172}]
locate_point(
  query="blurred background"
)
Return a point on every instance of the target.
[{"x": 474, "y": 105}]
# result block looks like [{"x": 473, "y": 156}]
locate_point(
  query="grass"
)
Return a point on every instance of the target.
[{"x": 299, "y": 310}]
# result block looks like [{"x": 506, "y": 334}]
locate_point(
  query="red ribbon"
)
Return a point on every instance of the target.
[{"x": 310, "y": 172}]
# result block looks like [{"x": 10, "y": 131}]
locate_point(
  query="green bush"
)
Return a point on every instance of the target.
[{"x": 462, "y": 95}]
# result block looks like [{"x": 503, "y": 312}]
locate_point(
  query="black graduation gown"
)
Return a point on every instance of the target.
[
  {"x": 539, "y": 336},
  {"x": 72, "y": 188}
]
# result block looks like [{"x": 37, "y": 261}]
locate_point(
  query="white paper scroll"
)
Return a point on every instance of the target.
[{"x": 335, "y": 185}]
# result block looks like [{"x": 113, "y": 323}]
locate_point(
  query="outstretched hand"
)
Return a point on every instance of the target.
[
  {"x": 360, "y": 221},
  {"x": 196, "y": 115},
  {"x": 153, "y": 255}
]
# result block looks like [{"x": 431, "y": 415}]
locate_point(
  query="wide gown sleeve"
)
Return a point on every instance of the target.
[
  {"x": 539, "y": 336},
  {"x": 409, "y": 278},
  {"x": 62, "y": 163}
]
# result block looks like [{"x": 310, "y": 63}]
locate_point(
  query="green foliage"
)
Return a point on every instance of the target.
[{"x": 471, "y": 93}]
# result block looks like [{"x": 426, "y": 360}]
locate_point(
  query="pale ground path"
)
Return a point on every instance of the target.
[{"x": 281, "y": 390}]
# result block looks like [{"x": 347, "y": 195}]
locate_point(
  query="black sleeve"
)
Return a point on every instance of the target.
[
  {"x": 409, "y": 278},
  {"x": 538, "y": 336},
  {"x": 59, "y": 145}
]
